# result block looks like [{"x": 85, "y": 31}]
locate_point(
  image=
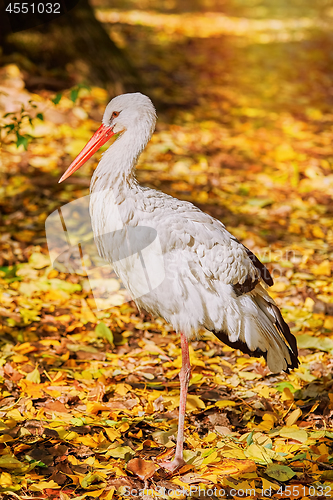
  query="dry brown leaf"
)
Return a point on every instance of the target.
[{"x": 142, "y": 468}]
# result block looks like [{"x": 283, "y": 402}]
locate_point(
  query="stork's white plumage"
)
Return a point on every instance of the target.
[{"x": 211, "y": 280}]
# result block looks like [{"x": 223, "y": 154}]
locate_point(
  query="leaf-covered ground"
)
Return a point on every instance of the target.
[{"x": 89, "y": 398}]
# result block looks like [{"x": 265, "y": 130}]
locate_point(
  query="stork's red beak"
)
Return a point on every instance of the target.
[{"x": 100, "y": 137}]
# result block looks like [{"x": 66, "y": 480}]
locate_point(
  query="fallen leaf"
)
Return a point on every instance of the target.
[
  {"x": 293, "y": 417},
  {"x": 280, "y": 472},
  {"x": 41, "y": 486},
  {"x": 10, "y": 462},
  {"x": 104, "y": 332},
  {"x": 294, "y": 433},
  {"x": 142, "y": 468}
]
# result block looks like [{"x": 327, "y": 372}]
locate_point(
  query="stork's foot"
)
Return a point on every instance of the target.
[{"x": 172, "y": 465}]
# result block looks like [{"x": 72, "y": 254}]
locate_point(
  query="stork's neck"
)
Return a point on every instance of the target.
[{"x": 116, "y": 170}]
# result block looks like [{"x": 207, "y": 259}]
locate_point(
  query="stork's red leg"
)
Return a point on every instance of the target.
[{"x": 184, "y": 377}]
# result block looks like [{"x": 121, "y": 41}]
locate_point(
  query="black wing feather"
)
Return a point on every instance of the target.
[
  {"x": 263, "y": 271},
  {"x": 250, "y": 283}
]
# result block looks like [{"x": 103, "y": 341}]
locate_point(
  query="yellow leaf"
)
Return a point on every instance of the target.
[
  {"x": 19, "y": 358},
  {"x": 231, "y": 466},
  {"x": 194, "y": 443},
  {"x": 124, "y": 427},
  {"x": 39, "y": 260},
  {"x": 122, "y": 389},
  {"x": 262, "y": 439},
  {"x": 246, "y": 486},
  {"x": 73, "y": 460},
  {"x": 211, "y": 458},
  {"x": 287, "y": 395},
  {"x": 268, "y": 421},
  {"x": 91, "y": 461},
  {"x": 96, "y": 493},
  {"x": 171, "y": 373},
  {"x": 88, "y": 315},
  {"x": 58, "y": 377},
  {"x": 5, "y": 480},
  {"x": 25, "y": 235},
  {"x": 322, "y": 269},
  {"x": 318, "y": 232},
  {"x": 15, "y": 415},
  {"x": 328, "y": 323},
  {"x": 194, "y": 403},
  {"x": 25, "y": 348},
  {"x": 259, "y": 453},
  {"x": 64, "y": 318},
  {"x": 68, "y": 436},
  {"x": 264, "y": 391},
  {"x": 178, "y": 362},
  {"x": 324, "y": 450},
  {"x": 202, "y": 197},
  {"x": 52, "y": 274},
  {"x": 266, "y": 485},
  {"x": 210, "y": 437},
  {"x": 179, "y": 482},
  {"x": 5, "y": 438},
  {"x": 100, "y": 95},
  {"x": 34, "y": 376},
  {"x": 112, "y": 434},
  {"x": 53, "y": 394},
  {"x": 120, "y": 452},
  {"x": 75, "y": 146},
  {"x": 74, "y": 478},
  {"x": 218, "y": 379},
  {"x": 119, "y": 472},
  {"x": 293, "y": 417},
  {"x": 309, "y": 303},
  {"x": 109, "y": 494},
  {"x": 94, "y": 408},
  {"x": 149, "y": 408},
  {"x": 294, "y": 433},
  {"x": 224, "y": 403},
  {"x": 57, "y": 296},
  {"x": 237, "y": 453},
  {"x": 51, "y": 485},
  {"x": 48, "y": 342},
  {"x": 10, "y": 462},
  {"x": 93, "y": 479},
  {"x": 87, "y": 441},
  {"x": 31, "y": 389},
  {"x": 210, "y": 477},
  {"x": 279, "y": 286},
  {"x": 196, "y": 378}
]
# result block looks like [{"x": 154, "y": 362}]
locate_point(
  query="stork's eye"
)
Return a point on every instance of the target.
[{"x": 115, "y": 114}]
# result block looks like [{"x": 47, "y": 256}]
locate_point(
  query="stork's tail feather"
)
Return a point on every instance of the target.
[
  {"x": 239, "y": 344},
  {"x": 290, "y": 338},
  {"x": 260, "y": 330}
]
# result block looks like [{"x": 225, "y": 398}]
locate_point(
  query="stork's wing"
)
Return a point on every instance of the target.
[
  {"x": 212, "y": 252},
  {"x": 249, "y": 284}
]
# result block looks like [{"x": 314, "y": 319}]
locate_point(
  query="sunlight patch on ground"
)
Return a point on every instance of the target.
[{"x": 209, "y": 24}]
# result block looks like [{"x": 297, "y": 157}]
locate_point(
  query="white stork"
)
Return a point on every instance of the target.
[{"x": 211, "y": 280}]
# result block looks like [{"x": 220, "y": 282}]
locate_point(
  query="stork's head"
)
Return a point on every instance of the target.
[
  {"x": 134, "y": 113},
  {"x": 129, "y": 112}
]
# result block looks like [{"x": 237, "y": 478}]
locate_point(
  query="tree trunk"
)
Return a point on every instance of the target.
[{"x": 76, "y": 41}]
